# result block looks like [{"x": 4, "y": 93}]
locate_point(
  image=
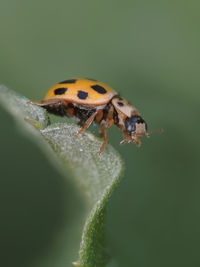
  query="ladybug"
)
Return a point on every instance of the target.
[{"x": 92, "y": 101}]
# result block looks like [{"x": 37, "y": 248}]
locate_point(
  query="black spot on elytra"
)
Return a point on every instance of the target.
[
  {"x": 99, "y": 89},
  {"x": 120, "y": 104},
  {"x": 60, "y": 91},
  {"x": 82, "y": 95},
  {"x": 68, "y": 81}
]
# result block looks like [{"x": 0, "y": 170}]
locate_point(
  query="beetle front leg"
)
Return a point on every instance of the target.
[{"x": 127, "y": 138}]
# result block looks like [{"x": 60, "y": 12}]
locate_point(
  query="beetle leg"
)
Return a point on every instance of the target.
[
  {"x": 48, "y": 102},
  {"x": 104, "y": 132},
  {"x": 34, "y": 102},
  {"x": 126, "y": 139},
  {"x": 138, "y": 141},
  {"x": 87, "y": 123}
]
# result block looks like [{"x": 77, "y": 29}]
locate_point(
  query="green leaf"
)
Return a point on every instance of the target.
[{"x": 94, "y": 175}]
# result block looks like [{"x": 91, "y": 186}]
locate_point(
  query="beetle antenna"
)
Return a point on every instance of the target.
[{"x": 155, "y": 131}]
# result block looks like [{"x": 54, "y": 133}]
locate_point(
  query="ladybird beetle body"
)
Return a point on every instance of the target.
[{"x": 92, "y": 101}]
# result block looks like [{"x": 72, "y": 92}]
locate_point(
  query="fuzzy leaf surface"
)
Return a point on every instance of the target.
[{"x": 94, "y": 175}]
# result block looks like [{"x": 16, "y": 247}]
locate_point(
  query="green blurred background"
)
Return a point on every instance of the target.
[{"x": 149, "y": 52}]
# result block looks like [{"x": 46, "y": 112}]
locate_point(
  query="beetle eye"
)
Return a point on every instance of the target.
[
  {"x": 121, "y": 104},
  {"x": 130, "y": 123}
]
